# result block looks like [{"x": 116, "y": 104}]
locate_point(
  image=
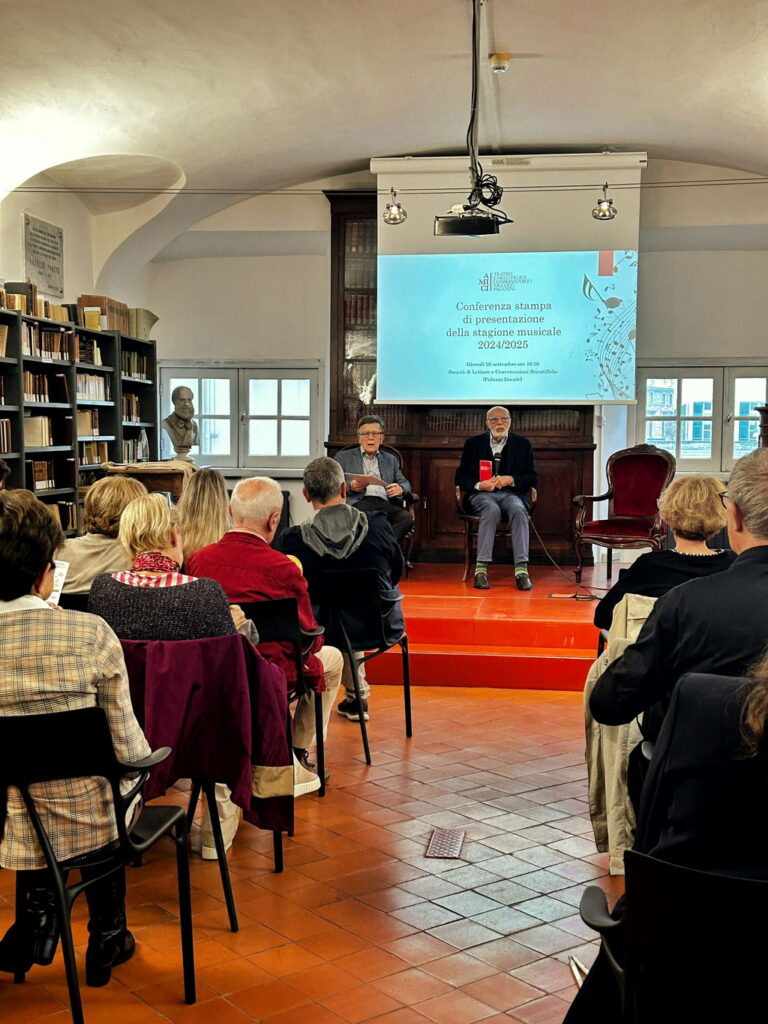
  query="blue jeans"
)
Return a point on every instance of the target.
[{"x": 489, "y": 506}]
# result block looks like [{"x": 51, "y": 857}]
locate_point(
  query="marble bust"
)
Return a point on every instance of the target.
[{"x": 180, "y": 428}]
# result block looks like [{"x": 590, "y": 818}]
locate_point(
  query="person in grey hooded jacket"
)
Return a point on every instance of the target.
[{"x": 340, "y": 536}]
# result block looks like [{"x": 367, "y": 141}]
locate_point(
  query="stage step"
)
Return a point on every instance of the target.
[{"x": 514, "y": 668}]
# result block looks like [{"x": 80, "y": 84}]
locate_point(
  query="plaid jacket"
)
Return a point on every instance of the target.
[{"x": 62, "y": 661}]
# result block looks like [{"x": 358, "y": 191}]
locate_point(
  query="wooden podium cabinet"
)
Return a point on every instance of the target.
[{"x": 431, "y": 437}]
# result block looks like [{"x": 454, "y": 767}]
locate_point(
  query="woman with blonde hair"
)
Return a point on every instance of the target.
[
  {"x": 693, "y": 509},
  {"x": 202, "y": 510},
  {"x": 99, "y": 550},
  {"x": 153, "y": 599}
]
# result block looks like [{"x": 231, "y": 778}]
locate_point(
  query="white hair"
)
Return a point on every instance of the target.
[
  {"x": 748, "y": 488},
  {"x": 494, "y": 408},
  {"x": 255, "y": 499}
]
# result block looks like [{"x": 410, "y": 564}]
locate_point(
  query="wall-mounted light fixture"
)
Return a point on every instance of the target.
[{"x": 604, "y": 208}]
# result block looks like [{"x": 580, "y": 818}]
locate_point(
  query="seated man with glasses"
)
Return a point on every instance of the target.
[
  {"x": 497, "y": 471},
  {"x": 369, "y": 460}
]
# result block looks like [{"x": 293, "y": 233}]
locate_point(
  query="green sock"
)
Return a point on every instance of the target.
[
  {"x": 520, "y": 568},
  {"x": 481, "y": 567}
]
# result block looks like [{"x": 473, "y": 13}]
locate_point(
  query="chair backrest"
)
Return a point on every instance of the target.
[
  {"x": 694, "y": 941},
  {"x": 275, "y": 620},
  {"x": 637, "y": 476},
  {"x": 349, "y": 600},
  {"x": 74, "y": 602}
]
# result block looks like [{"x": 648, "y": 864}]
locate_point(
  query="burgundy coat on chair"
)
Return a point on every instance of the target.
[{"x": 223, "y": 709}]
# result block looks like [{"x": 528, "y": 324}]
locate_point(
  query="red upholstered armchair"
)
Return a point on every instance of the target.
[{"x": 636, "y": 478}]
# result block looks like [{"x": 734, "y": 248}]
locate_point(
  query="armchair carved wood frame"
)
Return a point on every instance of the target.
[
  {"x": 408, "y": 500},
  {"x": 636, "y": 478},
  {"x": 472, "y": 523}
]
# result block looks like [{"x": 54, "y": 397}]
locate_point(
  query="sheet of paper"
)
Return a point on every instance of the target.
[
  {"x": 366, "y": 479},
  {"x": 59, "y": 575}
]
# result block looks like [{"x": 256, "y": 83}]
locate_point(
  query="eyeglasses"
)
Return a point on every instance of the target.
[
  {"x": 722, "y": 496},
  {"x": 498, "y": 419},
  {"x": 370, "y": 433}
]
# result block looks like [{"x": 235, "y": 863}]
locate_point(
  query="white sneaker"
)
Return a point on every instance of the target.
[{"x": 304, "y": 781}]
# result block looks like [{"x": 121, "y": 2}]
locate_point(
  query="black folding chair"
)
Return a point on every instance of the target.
[
  {"x": 690, "y": 945},
  {"x": 277, "y": 621},
  {"x": 74, "y": 602},
  {"x": 338, "y": 595},
  {"x": 76, "y": 744}
]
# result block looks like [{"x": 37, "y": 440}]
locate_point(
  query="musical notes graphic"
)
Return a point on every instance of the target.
[{"x": 613, "y": 337}]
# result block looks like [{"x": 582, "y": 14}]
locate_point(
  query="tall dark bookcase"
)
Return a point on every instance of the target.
[{"x": 82, "y": 395}]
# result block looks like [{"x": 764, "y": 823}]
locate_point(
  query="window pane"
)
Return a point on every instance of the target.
[
  {"x": 294, "y": 437},
  {"x": 661, "y": 397},
  {"x": 696, "y": 396},
  {"x": 180, "y": 382},
  {"x": 262, "y": 436},
  {"x": 748, "y": 392},
  {"x": 214, "y": 436},
  {"x": 294, "y": 398},
  {"x": 745, "y": 437},
  {"x": 262, "y": 398},
  {"x": 214, "y": 397},
  {"x": 662, "y": 433},
  {"x": 696, "y": 439}
]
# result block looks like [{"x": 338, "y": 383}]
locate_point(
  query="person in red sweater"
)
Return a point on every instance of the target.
[{"x": 250, "y": 570}]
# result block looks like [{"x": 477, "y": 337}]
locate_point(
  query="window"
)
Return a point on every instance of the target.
[
  {"x": 249, "y": 417},
  {"x": 704, "y": 416}
]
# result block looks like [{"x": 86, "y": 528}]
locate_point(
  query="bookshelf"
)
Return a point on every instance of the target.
[{"x": 66, "y": 406}]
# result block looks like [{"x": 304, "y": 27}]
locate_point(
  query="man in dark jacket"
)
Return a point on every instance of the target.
[
  {"x": 342, "y": 537},
  {"x": 497, "y": 472}
]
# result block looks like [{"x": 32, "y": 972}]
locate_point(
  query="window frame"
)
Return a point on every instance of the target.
[{"x": 240, "y": 374}]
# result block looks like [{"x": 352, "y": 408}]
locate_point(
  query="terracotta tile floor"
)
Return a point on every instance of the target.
[{"x": 360, "y": 926}]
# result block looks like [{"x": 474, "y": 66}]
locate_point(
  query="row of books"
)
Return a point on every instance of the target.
[
  {"x": 97, "y": 312},
  {"x": 360, "y": 237},
  {"x": 93, "y": 386},
  {"x": 86, "y": 350},
  {"x": 44, "y": 387},
  {"x": 6, "y": 440},
  {"x": 100, "y": 312},
  {"x": 136, "y": 449},
  {"x": 134, "y": 364},
  {"x": 46, "y": 342},
  {"x": 3, "y": 339},
  {"x": 38, "y": 431},
  {"x": 41, "y": 474},
  {"x": 2, "y": 390},
  {"x": 87, "y": 422},
  {"x": 93, "y": 452},
  {"x": 131, "y": 409},
  {"x": 359, "y": 309},
  {"x": 65, "y": 513},
  {"x": 359, "y": 273}
]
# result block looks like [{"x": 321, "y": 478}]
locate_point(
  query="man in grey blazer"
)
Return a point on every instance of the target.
[{"x": 368, "y": 460}]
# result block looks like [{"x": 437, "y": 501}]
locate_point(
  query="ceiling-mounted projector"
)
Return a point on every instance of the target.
[{"x": 468, "y": 221}]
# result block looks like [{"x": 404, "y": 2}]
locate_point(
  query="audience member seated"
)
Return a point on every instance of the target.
[
  {"x": 153, "y": 600},
  {"x": 53, "y": 661},
  {"x": 715, "y": 624},
  {"x": 702, "y": 807},
  {"x": 693, "y": 510},
  {"x": 340, "y": 536},
  {"x": 250, "y": 570},
  {"x": 202, "y": 509},
  {"x": 99, "y": 550}
]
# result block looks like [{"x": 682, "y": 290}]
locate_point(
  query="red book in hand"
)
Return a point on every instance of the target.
[{"x": 486, "y": 469}]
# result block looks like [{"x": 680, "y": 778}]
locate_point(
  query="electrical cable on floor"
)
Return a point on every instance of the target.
[{"x": 587, "y": 596}]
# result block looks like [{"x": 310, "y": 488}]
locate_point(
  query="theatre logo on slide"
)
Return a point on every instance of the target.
[{"x": 523, "y": 327}]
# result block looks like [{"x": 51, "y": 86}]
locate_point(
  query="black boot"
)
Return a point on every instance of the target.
[
  {"x": 110, "y": 942},
  {"x": 34, "y": 936}
]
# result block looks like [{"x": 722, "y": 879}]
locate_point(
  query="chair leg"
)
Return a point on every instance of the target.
[
  {"x": 358, "y": 697},
  {"x": 467, "y": 552},
  {"x": 185, "y": 914},
  {"x": 609, "y": 563},
  {"x": 579, "y": 560},
  {"x": 192, "y": 805},
  {"x": 406, "y": 685},
  {"x": 70, "y": 965},
  {"x": 320, "y": 742},
  {"x": 18, "y": 977},
  {"x": 218, "y": 839},
  {"x": 277, "y": 845}
]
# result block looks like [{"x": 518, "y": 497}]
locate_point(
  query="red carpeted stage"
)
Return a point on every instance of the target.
[{"x": 501, "y": 637}]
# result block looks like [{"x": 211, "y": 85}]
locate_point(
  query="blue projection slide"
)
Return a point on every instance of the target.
[{"x": 516, "y": 327}]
